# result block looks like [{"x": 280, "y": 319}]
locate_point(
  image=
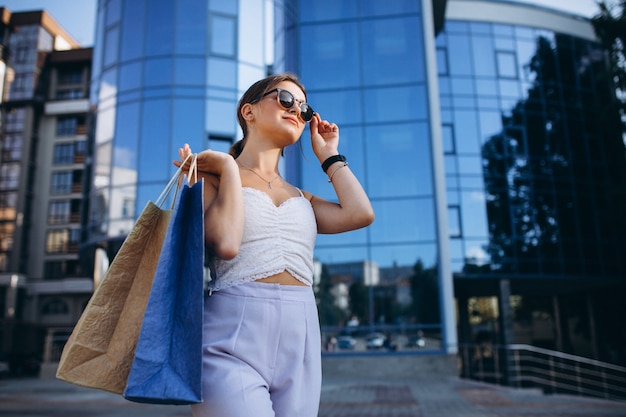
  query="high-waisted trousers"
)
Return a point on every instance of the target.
[{"x": 261, "y": 352}]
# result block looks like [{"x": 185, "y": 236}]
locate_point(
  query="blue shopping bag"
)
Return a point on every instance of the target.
[{"x": 167, "y": 367}]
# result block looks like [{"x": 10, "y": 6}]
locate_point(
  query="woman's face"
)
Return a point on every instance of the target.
[{"x": 283, "y": 108}]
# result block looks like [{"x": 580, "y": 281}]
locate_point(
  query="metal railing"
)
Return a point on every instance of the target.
[{"x": 553, "y": 372}]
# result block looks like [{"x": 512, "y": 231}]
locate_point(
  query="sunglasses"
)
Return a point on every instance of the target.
[{"x": 287, "y": 100}]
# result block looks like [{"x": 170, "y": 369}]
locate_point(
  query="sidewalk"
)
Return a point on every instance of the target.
[{"x": 343, "y": 395}]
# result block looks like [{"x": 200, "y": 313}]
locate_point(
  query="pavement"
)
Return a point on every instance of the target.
[{"x": 388, "y": 393}]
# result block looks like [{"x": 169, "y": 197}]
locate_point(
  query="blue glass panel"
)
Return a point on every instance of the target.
[
  {"x": 476, "y": 251},
  {"x": 126, "y": 139},
  {"x": 221, "y": 116},
  {"x": 462, "y": 85},
  {"x": 447, "y": 136},
  {"x": 488, "y": 103},
  {"x": 454, "y": 221},
  {"x": 473, "y": 214},
  {"x": 455, "y": 26},
  {"x": 111, "y": 43},
  {"x": 191, "y": 30},
  {"x": 480, "y": 28},
  {"x": 442, "y": 61},
  {"x": 450, "y": 164},
  {"x": 154, "y": 151},
  {"x": 108, "y": 84},
  {"x": 223, "y": 6},
  {"x": 190, "y": 71},
  {"x": 452, "y": 194},
  {"x": 157, "y": 72},
  {"x": 484, "y": 57},
  {"x": 389, "y": 7},
  {"x": 396, "y": 104},
  {"x": 329, "y": 47},
  {"x": 490, "y": 124},
  {"x": 503, "y": 31},
  {"x": 160, "y": 28},
  {"x": 330, "y": 256},
  {"x": 133, "y": 27},
  {"x": 459, "y": 48},
  {"x": 444, "y": 85},
  {"x": 408, "y": 146},
  {"x": 222, "y": 73},
  {"x": 222, "y": 36},
  {"x": 464, "y": 102},
  {"x": 339, "y": 106},
  {"x": 320, "y": 10},
  {"x": 509, "y": 88},
  {"x": 407, "y": 220},
  {"x": 470, "y": 165},
  {"x": 507, "y": 64},
  {"x": 149, "y": 192},
  {"x": 314, "y": 180},
  {"x": 486, "y": 87},
  {"x": 188, "y": 125},
  {"x": 130, "y": 76},
  {"x": 113, "y": 11},
  {"x": 394, "y": 52},
  {"x": 404, "y": 255},
  {"x": 456, "y": 249},
  {"x": 466, "y": 131}
]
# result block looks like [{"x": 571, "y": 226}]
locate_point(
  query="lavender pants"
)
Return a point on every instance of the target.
[{"x": 261, "y": 352}]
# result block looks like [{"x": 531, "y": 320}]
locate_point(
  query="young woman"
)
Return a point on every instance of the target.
[{"x": 261, "y": 351}]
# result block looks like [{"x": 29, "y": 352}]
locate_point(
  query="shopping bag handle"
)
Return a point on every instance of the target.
[{"x": 174, "y": 181}]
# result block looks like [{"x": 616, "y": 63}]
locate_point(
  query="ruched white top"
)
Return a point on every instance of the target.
[{"x": 275, "y": 239}]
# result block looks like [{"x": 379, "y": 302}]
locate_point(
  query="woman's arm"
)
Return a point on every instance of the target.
[
  {"x": 354, "y": 210},
  {"x": 223, "y": 201}
]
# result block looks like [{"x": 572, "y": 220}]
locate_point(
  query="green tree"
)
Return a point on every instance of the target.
[
  {"x": 329, "y": 313},
  {"x": 425, "y": 293}
]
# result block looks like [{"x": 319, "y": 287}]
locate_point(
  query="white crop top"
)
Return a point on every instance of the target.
[{"x": 275, "y": 239}]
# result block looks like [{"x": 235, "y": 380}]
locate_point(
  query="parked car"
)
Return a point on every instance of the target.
[
  {"x": 346, "y": 342},
  {"x": 375, "y": 341}
]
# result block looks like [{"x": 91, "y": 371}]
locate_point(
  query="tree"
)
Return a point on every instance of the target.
[{"x": 610, "y": 27}]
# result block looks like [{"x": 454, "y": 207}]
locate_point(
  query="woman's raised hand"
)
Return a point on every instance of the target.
[{"x": 324, "y": 137}]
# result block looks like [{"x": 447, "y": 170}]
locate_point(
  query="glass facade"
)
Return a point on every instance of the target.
[
  {"x": 364, "y": 66},
  {"x": 166, "y": 73},
  {"x": 528, "y": 147},
  {"x": 521, "y": 180}
]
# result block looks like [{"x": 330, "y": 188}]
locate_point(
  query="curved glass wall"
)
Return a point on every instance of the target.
[
  {"x": 363, "y": 63},
  {"x": 529, "y": 148},
  {"x": 166, "y": 72}
]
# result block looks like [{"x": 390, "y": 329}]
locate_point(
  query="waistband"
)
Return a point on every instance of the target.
[{"x": 271, "y": 291}]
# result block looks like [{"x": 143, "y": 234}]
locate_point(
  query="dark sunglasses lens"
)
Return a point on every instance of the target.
[
  {"x": 286, "y": 99},
  {"x": 306, "y": 112}
]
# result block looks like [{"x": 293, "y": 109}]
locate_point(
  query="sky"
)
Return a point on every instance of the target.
[{"x": 77, "y": 17}]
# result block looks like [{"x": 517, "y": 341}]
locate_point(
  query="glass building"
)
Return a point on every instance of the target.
[{"x": 477, "y": 129}]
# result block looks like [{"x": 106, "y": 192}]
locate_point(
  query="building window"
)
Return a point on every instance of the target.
[
  {"x": 61, "y": 183},
  {"x": 70, "y": 76},
  {"x": 220, "y": 143},
  {"x": 222, "y": 36},
  {"x": 507, "y": 64},
  {"x": 454, "y": 221},
  {"x": 447, "y": 133},
  {"x": 62, "y": 241},
  {"x": 12, "y": 148},
  {"x": 59, "y": 212},
  {"x": 9, "y": 176},
  {"x": 442, "y": 61},
  {"x": 66, "y": 126},
  {"x": 64, "y": 154},
  {"x": 57, "y": 241}
]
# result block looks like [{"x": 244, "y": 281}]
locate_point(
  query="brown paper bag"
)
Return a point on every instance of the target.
[{"x": 101, "y": 348}]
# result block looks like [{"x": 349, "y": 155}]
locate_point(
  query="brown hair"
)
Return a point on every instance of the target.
[{"x": 254, "y": 92}]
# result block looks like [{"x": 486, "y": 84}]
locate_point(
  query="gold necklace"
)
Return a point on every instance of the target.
[{"x": 269, "y": 183}]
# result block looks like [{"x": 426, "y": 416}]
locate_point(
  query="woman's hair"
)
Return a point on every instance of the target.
[{"x": 253, "y": 93}]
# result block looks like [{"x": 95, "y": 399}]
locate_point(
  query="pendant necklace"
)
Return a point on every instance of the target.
[{"x": 269, "y": 183}]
